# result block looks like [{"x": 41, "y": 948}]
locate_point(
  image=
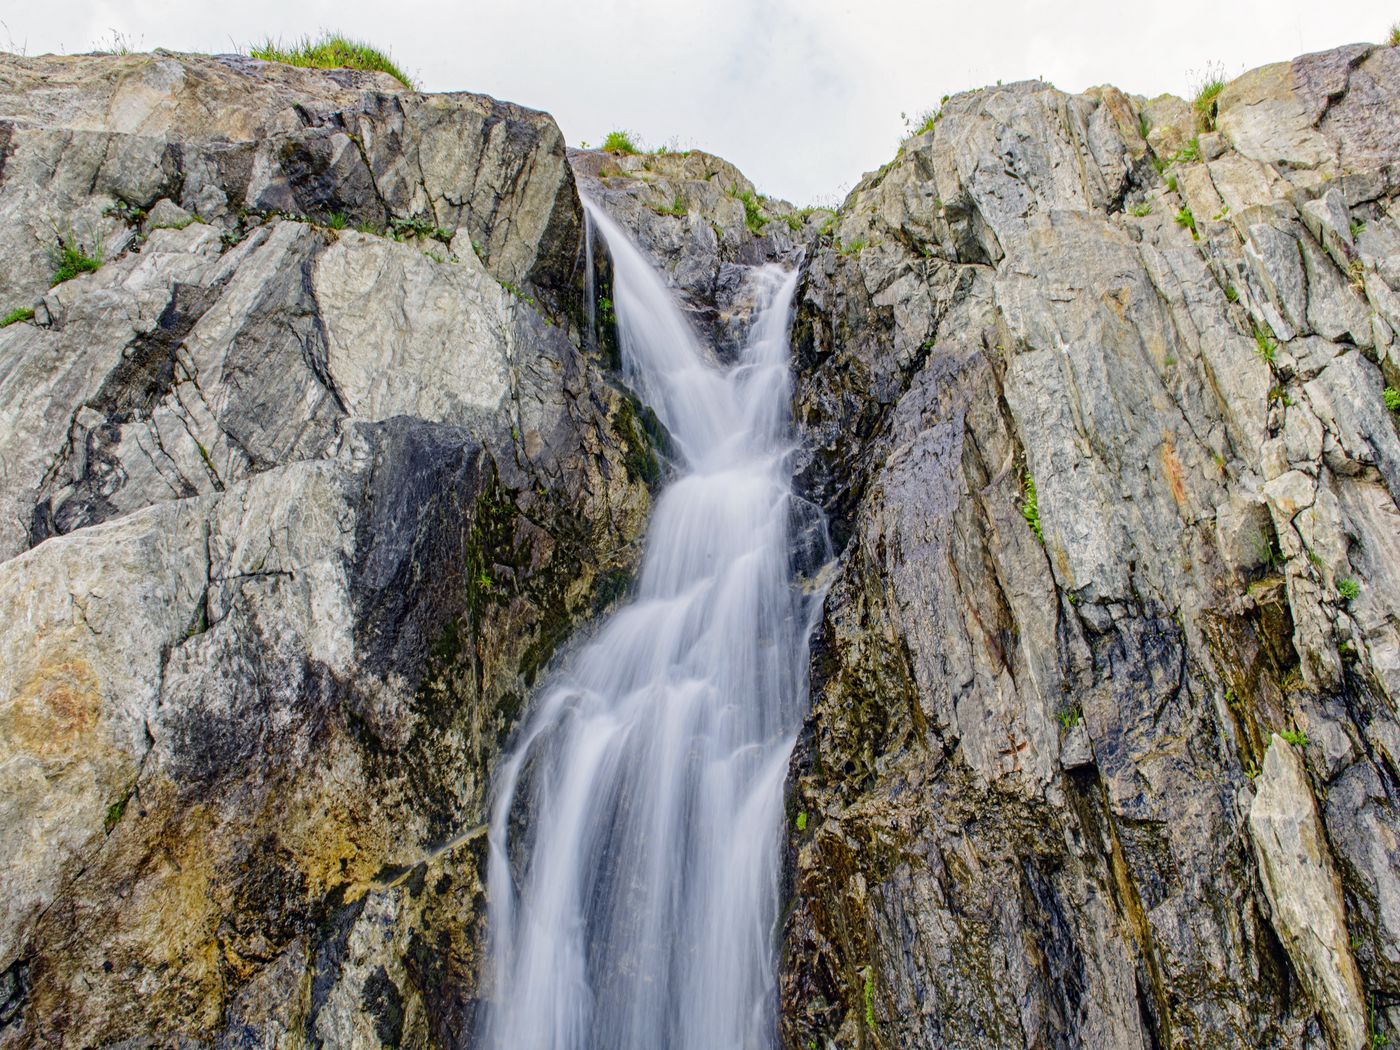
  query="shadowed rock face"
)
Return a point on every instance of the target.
[
  {"x": 1029, "y": 783},
  {"x": 293, "y": 516}
]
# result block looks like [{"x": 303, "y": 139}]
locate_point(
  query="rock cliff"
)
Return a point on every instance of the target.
[
  {"x": 1103, "y": 744},
  {"x": 301, "y": 488},
  {"x": 303, "y": 485}
]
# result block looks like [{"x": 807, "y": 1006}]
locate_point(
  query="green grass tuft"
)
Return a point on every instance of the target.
[
  {"x": 802, "y": 821},
  {"x": 331, "y": 51},
  {"x": 1207, "y": 101},
  {"x": 1294, "y": 737},
  {"x": 1142, "y": 210},
  {"x": 677, "y": 207},
  {"x": 1392, "y": 399},
  {"x": 754, "y": 218},
  {"x": 1265, "y": 345},
  {"x": 1394, "y": 39},
  {"x": 70, "y": 260},
  {"x": 1186, "y": 219},
  {"x": 927, "y": 119},
  {"x": 1349, "y": 590},
  {"x": 24, "y": 313},
  {"x": 620, "y": 142}
]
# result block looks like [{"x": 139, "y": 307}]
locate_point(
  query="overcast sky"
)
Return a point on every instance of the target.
[{"x": 803, "y": 95}]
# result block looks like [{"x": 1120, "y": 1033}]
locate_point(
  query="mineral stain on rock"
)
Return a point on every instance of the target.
[{"x": 55, "y": 710}]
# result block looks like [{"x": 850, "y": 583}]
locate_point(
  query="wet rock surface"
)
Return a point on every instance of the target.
[
  {"x": 294, "y": 514},
  {"x": 1093, "y": 397}
]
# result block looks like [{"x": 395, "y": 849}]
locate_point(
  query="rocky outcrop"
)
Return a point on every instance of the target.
[
  {"x": 293, "y": 515},
  {"x": 705, "y": 226},
  {"x": 1094, "y": 399}
]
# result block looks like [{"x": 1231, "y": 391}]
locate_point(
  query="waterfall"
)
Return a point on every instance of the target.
[
  {"x": 590, "y": 286},
  {"x": 636, "y": 837}
]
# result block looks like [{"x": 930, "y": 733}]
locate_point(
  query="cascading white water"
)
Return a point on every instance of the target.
[{"x": 635, "y": 844}]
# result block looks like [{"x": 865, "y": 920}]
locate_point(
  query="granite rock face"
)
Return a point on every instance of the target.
[
  {"x": 1093, "y": 398},
  {"x": 293, "y": 516}
]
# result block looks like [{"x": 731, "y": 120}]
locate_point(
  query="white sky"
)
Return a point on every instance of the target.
[{"x": 803, "y": 95}]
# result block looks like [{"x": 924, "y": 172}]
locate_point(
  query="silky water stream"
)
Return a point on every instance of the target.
[{"x": 636, "y": 836}]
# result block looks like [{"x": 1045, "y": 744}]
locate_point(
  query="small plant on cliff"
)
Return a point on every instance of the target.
[
  {"x": 754, "y": 218},
  {"x": 24, "y": 313},
  {"x": 1295, "y": 737},
  {"x": 1349, "y": 590},
  {"x": 1206, "y": 103},
  {"x": 922, "y": 122},
  {"x": 1356, "y": 276},
  {"x": 1071, "y": 716},
  {"x": 870, "y": 997},
  {"x": 620, "y": 142},
  {"x": 1394, "y": 39},
  {"x": 330, "y": 51},
  {"x": 127, "y": 212},
  {"x": 1142, "y": 210},
  {"x": 1265, "y": 345},
  {"x": 115, "y": 812},
  {"x": 70, "y": 259},
  {"x": 802, "y": 821},
  {"x": 1185, "y": 219},
  {"x": 1189, "y": 153},
  {"x": 407, "y": 229},
  {"x": 1030, "y": 509},
  {"x": 676, "y": 209},
  {"x": 1378, "y": 1038},
  {"x": 1392, "y": 399}
]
